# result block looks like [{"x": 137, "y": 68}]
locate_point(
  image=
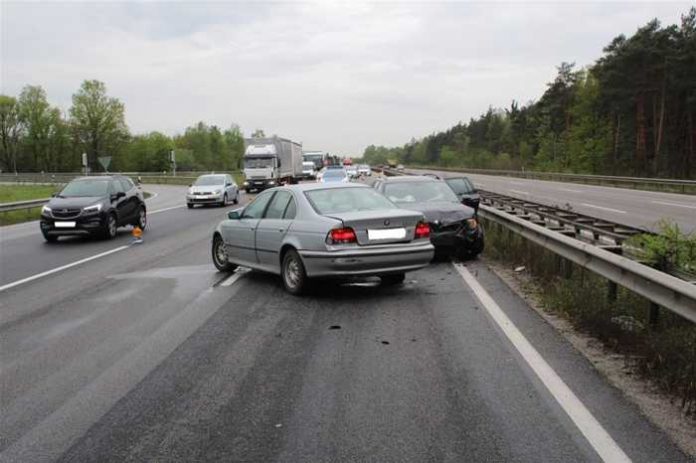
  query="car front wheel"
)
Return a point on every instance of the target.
[
  {"x": 293, "y": 273},
  {"x": 141, "y": 221},
  {"x": 220, "y": 256},
  {"x": 110, "y": 227}
]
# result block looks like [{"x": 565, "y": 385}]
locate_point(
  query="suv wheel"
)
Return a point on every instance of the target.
[
  {"x": 141, "y": 221},
  {"x": 110, "y": 227}
]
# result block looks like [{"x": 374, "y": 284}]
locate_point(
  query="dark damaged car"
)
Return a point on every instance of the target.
[{"x": 455, "y": 228}]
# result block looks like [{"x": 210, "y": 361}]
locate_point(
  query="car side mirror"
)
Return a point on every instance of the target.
[
  {"x": 234, "y": 215},
  {"x": 228, "y": 184},
  {"x": 190, "y": 185},
  {"x": 54, "y": 194}
]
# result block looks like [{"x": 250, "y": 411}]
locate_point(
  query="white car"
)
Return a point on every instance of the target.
[
  {"x": 308, "y": 170},
  {"x": 352, "y": 171},
  {"x": 364, "y": 169},
  {"x": 217, "y": 189}
]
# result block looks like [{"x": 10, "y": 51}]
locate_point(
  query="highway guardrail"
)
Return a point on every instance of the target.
[
  {"x": 672, "y": 293},
  {"x": 656, "y": 184},
  {"x": 22, "y": 205}
]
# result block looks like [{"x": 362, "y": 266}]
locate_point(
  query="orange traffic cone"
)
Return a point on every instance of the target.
[{"x": 137, "y": 234}]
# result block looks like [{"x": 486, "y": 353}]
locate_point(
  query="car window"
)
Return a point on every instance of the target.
[
  {"x": 256, "y": 208},
  {"x": 209, "y": 180},
  {"x": 125, "y": 184},
  {"x": 291, "y": 210},
  {"x": 460, "y": 185},
  {"x": 277, "y": 207},
  {"x": 334, "y": 200},
  {"x": 117, "y": 187}
]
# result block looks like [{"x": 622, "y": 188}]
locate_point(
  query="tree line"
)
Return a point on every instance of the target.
[
  {"x": 36, "y": 136},
  {"x": 633, "y": 112}
]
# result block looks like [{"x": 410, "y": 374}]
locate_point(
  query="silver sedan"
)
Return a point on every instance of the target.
[{"x": 317, "y": 230}]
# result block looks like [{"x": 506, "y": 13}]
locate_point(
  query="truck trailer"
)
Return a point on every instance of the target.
[{"x": 270, "y": 162}]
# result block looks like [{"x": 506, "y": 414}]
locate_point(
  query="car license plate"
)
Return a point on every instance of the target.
[
  {"x": 65, "y": 224},
  {"x": 386, "y": 234}
]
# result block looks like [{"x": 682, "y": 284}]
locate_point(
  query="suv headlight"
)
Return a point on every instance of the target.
[
  {"x": 46, "y": 210},
  {"x": 93, "y": 208}
]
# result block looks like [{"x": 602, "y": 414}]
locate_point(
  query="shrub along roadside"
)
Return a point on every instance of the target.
[{"x": 663, "y": 352}]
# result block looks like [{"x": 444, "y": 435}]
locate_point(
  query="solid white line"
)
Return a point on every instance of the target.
[
  {"x": 604, "y": 208},
  {"x": 520, "y": 192},
  {"x": 61, "y": 268},
  {"x": 234, "y": 277},
  {"x": 165, "y": 209},
  {"x": 572, "y": 191},
  {"x": 665, "y": 203},
  {"x": 588, "y": 425}
]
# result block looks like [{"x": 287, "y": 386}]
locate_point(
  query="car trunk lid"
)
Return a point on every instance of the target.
[{"x": 380, "y": 227}]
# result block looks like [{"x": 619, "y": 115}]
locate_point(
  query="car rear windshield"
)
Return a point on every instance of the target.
[
  {"x": 419, "y": 192},
  {"x": 210, "y": 180},
  {"x": 335, "y": 173},
  {"x": 333, "y": 200},
  {"x": 84, "y": 188},
  {"x": 461, "y": 186}
]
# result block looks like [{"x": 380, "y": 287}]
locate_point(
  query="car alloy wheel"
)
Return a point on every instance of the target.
[
  {"x": 109, "y": 230},
  {"x": 293, "y": 273},
  {"x": 142, "y": 218},
  {"x": 220, "y": 256}
]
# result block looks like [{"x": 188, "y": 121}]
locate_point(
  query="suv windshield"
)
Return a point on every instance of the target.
[
  {"x": 334, "y": 200},
  {"x": 417, "y": 192},
  {"x": 461, "y": 186},
  {"x": 84, "y": 188},
  {"x": 210, "y": 180}
]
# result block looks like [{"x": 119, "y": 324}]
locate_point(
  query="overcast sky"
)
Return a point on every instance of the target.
[{"x": 335, "y": 76}]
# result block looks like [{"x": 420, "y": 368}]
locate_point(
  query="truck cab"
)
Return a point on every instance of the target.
[{"x": 270, "y": 162}]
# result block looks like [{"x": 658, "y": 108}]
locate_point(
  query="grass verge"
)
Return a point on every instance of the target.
[
  {"x": 13, "y": 193},
  {"x": 663, "y": 352}
]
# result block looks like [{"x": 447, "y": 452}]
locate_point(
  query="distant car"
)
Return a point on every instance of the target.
[
  {"x": 455, "y": 227},
  {"x": 364, "y": 169},
  {"x": 217, "y": 189},
  {"x": 93, "y": 206},
  {"x": 335, "y": 176},
  {"x": 465, "y": 191},
  {"x": 400, "y": 167},
  {"x": 352, "y": 171},
  {"x": 308, "y": 169},
  {"x": 312, "y": 230}
]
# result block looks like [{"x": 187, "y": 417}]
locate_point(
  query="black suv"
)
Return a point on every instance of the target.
[
  {"x": 93, "y": 206},
  {"x": 454, "y": 226}
]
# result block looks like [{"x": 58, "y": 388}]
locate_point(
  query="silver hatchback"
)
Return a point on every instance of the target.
[{"x": 318, "y": 230}]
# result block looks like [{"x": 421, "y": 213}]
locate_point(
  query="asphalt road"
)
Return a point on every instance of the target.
[
  {"x": 630, "y": 207},
  {"x": 149, "y": 354}
]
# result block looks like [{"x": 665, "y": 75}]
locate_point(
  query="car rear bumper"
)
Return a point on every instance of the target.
[{"x": 367, "y": 262}]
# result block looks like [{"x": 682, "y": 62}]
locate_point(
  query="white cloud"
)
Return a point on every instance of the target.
[{"x": 336, "y": 76}]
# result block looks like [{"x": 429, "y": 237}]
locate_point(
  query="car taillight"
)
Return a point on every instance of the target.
[
  {"x": 342, "y": 236},
  {"x": 422, "y": 230}
]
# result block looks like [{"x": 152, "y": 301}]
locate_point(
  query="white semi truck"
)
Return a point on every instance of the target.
[{"x": 270, "y": 162}]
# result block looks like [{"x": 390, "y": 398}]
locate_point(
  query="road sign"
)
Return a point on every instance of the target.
[{"x": 105, "y": 161}]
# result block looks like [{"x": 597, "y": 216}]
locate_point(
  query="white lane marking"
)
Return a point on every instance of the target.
[
  {"x": 593, "y": 431},
  {"x": 666, "y": 203},
  {"x": 515, "y": 183},
  {"x": 572, "y": 191},
  {"x": 61, "y": 268},
  {"x": 165, "y": 209},
  {"x": 520, "y": 192},
  {"x": 604, "y": 208},
  {"x": 153, "y": 196},
  {"x": 234, "y": 277}
]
